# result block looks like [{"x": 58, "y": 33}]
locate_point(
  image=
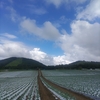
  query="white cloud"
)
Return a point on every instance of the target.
[
  {"x": 10, "y": 11},
  {"x": 7, "y": 35},
  {"x": 13, "y": 14},
  {"x": 47, "y": 31},
  {"x": 83, "y": 43},
  {"x": 12, "y": 48},
  {"x": 37, "y": 54},
  {"x": 60, "y": 60},
  {"x": 88, "y": 35},
  {"x": 41, "y": 56},
  {"x": 91, "y": 11}
]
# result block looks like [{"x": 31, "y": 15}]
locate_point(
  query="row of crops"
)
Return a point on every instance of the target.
[
  {"x": 57, "y": 93},
  {"x": 22, "y": 85},
  {"x": 19, "y": 85},
  {"x": 86, "y": 82}
]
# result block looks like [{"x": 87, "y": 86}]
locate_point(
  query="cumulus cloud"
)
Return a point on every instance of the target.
[
  {"x": 83, "y": 43},
  {"x": 48, "y": 31},
  {"x": 38, "y": 54},
  {"x": 41, "y": 56},
  {"x": 63, "y": 59},
  {"x": 18, "y": 49},
  {"x": 12, "y": 48},
  {"x": 91, "y": 11}
]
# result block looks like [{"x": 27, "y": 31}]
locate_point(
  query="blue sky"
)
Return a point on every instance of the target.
[{"x": 50, "y": 31}]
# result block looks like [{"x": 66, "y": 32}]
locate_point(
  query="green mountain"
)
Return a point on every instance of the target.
[
  {"x": 15, "y": 62},
  {"x": 20, "y": 63},
  {"x": 78, "y": 65},
  {"x": 25, "y": 63},
  {"x": 84, "y": 65}
]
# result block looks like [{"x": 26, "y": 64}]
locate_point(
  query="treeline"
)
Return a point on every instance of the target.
[
  {"x": 4, "y": 62},
  {"x": 24, "y": 63},
  {"x": 78, "y": 65}
]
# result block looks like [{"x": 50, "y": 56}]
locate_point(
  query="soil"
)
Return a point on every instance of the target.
[{"x": 45, "y": 94}]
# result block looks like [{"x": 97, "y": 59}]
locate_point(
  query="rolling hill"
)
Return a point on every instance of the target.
[
  {"x": 20, "y": 63},
  {"x": 78, "y": 65},
  {"x": 25, "y": 63}
]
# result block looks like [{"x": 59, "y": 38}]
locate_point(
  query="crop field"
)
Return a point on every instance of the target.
[
  {"x": 31, "y": 85},
  {"x": 19, "y": 85},
  {"x": 86, "y": 82}
]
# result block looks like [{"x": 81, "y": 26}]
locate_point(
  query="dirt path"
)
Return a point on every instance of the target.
[
  {"x": 45, "y": 94},
  {"x": 78, "y": 96}
]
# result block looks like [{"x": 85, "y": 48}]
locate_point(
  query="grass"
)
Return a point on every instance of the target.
[{"x": 15, "y": 62}]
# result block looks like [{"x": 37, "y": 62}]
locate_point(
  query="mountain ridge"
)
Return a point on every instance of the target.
[
  {"x": 20, "y": 63},
  {"x": 26, "y": 63}
]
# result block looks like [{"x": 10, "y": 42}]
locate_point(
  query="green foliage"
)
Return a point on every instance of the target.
[
  {"x": 20, "y": 63},
  {"x": 78, "y": 65},
  {"x": 15, "y": 62},
  {"x": 24, "y": 63}
]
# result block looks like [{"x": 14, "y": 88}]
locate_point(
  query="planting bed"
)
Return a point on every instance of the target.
[
  {"x": 50, "y": 85},
  {"x": 19, "y": 85},
  {"x": 86, "y": 82}
]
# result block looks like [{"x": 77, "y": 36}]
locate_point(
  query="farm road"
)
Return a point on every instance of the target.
[{"x": 45, "y": 94}]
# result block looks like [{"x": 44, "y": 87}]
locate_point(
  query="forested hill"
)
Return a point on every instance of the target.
[
  {"x": 25, "y": 63},
  {"x": 85, "y": 65},
  {"x": 78, "y": 65},
  {"x": 20, "y": 63}
]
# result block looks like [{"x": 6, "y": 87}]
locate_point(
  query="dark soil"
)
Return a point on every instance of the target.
[{"x": 45, "y": 94}]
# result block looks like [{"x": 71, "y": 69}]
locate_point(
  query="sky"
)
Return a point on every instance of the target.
[{"x": 50, "y": 31}]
